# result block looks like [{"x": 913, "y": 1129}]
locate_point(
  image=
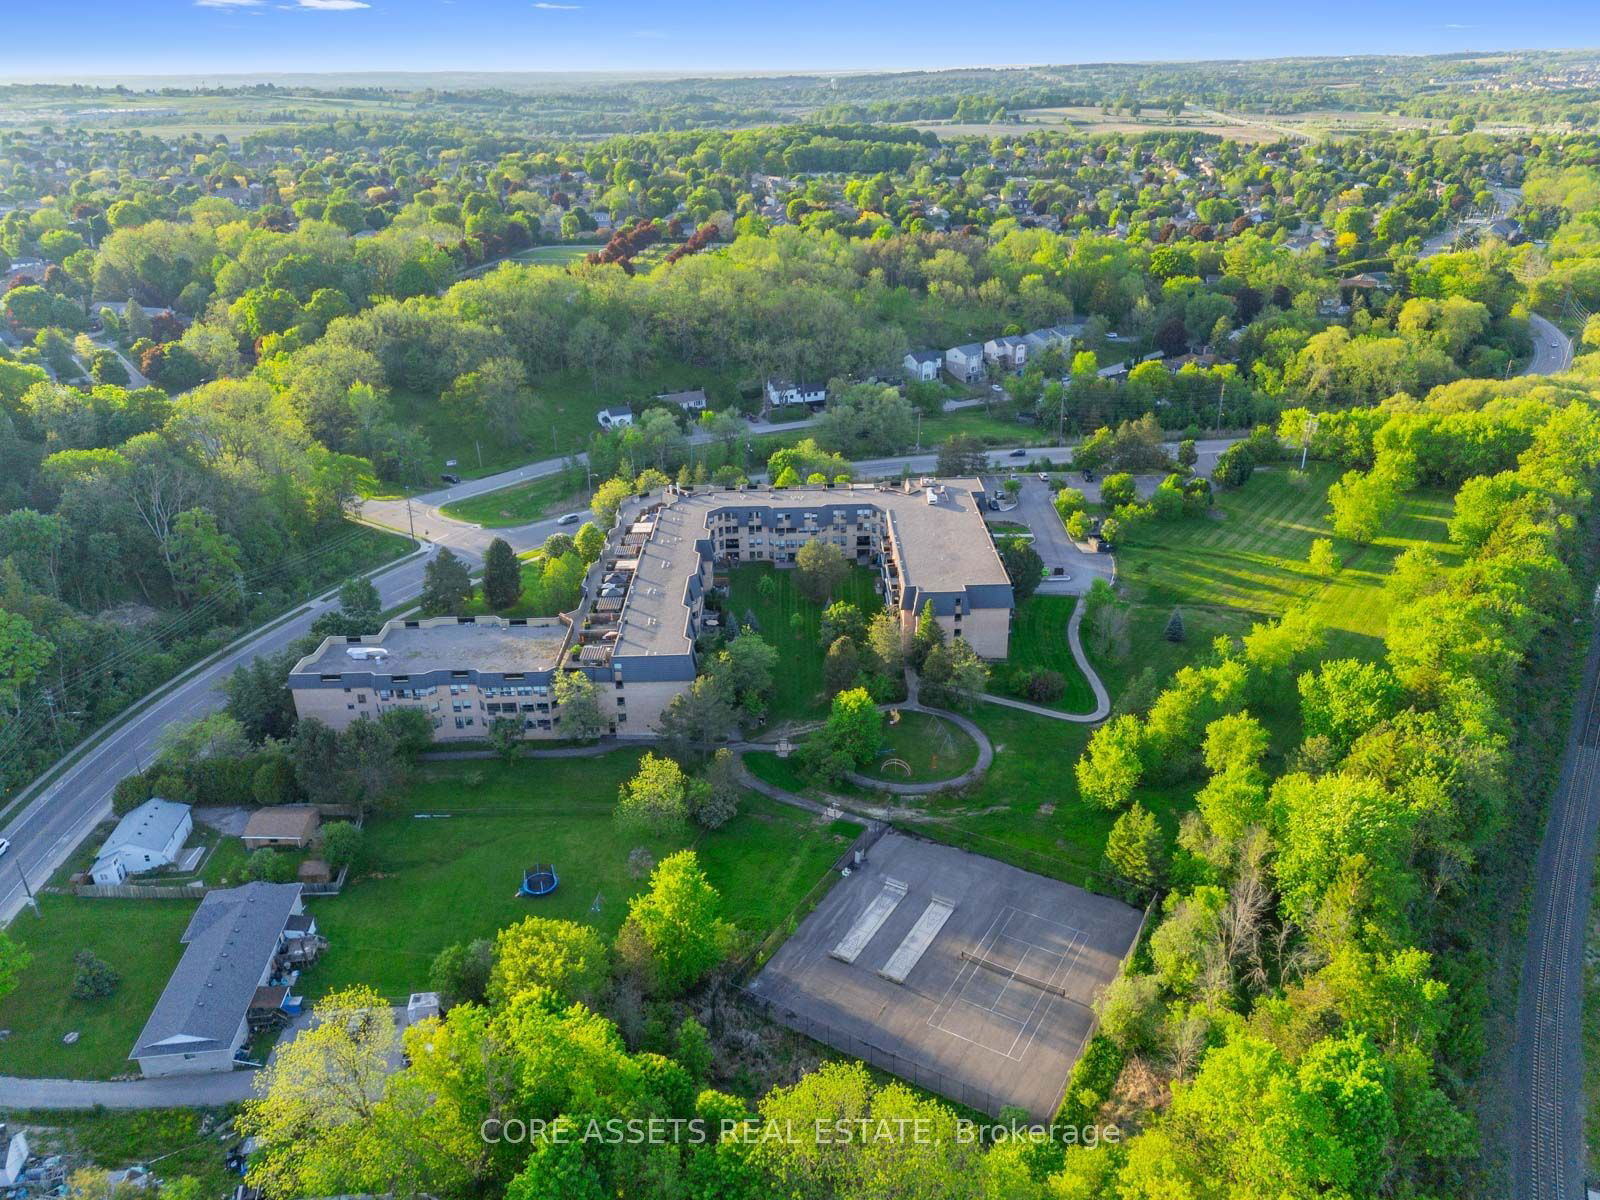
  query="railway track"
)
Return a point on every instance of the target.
[{"x": 1548, "y": 1156}]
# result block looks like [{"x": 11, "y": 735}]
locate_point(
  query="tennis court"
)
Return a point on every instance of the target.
[{"x": 965, "y": 975}]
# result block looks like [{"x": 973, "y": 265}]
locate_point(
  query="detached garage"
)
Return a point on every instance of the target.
[{"x": 294, "y": 827}]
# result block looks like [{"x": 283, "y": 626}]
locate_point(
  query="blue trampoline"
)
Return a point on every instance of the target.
[{"x": 538, "y": 880}]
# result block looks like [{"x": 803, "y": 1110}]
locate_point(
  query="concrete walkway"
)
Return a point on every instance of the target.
[{"x": 1102, "y": 698}]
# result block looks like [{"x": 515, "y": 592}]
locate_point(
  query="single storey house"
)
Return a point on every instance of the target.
[
  {"x": 780, "y": 393},
  {"x": 965, "y": 362},
  {"x": 614, "y": 418},
  {"x": 234, "y": 946},
  {"x": 289, "y": 825},
  {"x": 691, "y": 401},
  {"x": 146, "y": 839},
  {"x": 923, "y": 365}
]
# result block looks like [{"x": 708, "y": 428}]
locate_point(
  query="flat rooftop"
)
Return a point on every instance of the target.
[
  {"x": 489, "y": 645},
  {"x": 965, "y": 975},
  {"x": 943, "y": 548}
]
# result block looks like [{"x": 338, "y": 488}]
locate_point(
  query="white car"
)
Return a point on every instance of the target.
[
  {"x": 5, "y": 844},
  {"x": 570, "y": 519}
]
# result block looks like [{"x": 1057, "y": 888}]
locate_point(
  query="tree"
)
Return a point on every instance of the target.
[
  {"x": 854, "y": 727},
  {"x": 372, "y": 767},
  {"x": 1110, "y": 767},
  {"x": 714, "y": 805},
  {"x": 678, "y": 920},
  {"x": 502, "y": 575},
  {"x": 1118, "y": 489},
  {"x": 460, "y": 972},
  {"x": 315, "y": 752},
  {"x": 578, "y": 706},
  {"x": 696, "y": 720},
  {"x": 269, "y": 866},
  {"x": 214, "y": 736},
  {"x": 1188, "y": 453},
  {"x": 886, "y": 639},
  {"x": 1343, "y": 699},
  {"x": 928, "y": 636},
  {"x": 821, "y": 567},
  {"x": 607, "y": 499},
  {"x": 954, "y": 676},
  {"x": 1323, "y": 559},
  {"x": 1361, "y": 503},
  {"x": 961, "y": 454},
  {"x": 1023, "y": 566},
  {"x": 446, "y": 585},
  {"x": 744, "y": 667},
  {"x": 360, "y": 611},
  {"x": 15, "y": 958},
  {"x": 1134, "y": 846},
  {"x": 566, "y": 959},
  {"x": 314, "y": 1116},
  {"x": 841, "y": 619},
  {"x": 653, "y": 801},
  {"x": 1174, "y": 631},
  {"x": 23, "y": 653},
  {"x": 589, "y": 542},
  {"x": 341, "y": 844},
  {"x": 840, "y": 666},
  {"x": 274, "y": 783}
]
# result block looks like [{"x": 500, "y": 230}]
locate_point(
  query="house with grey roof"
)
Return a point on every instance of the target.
[
  {"x": 965, "y": 362},
  {"x": 146, "y": 839},
  {"x": 615, "y": 417},
  {"x": 235, "y": 946},
  {"x": 923, "y": 365}
]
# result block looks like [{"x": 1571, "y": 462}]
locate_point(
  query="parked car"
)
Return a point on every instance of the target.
[
  {"x": 452, "y": 480},
  {"x": 1043, "y": 478}
]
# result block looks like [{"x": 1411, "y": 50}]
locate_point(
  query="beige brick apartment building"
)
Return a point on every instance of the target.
[{"x": 644, "y": 607}]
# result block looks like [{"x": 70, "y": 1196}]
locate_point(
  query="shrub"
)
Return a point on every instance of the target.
[
  {"x": 268, "y": 866},
  {"x": 1043, "y": 686},
  {"x": 1090, "y": 1082},
  {"x": 341, "y": 844},
  {"x": 93, "y": 977}
]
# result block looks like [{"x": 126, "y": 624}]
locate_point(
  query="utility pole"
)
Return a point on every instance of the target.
[
  {"x": 479, "y": 445},
  {"x": 1221, "y": 391},
  {"x": 410, "y": 521},
  {"x": 27, "y": 891}
]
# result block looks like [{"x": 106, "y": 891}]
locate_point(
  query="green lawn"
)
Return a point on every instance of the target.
[
  {"x": 799, "y": 693},
  {"x": 554, "y": 256},
  {"x": 139, "y": 938},
  {"x": 454, "y": 876},
  {"x": 930, "y": 746},
  {"x": 1249, "y": 558},
  {"x": 1039, "y": 639},
  {"x": 532, "y": 602},
  {"x": 562, "y": 492}
]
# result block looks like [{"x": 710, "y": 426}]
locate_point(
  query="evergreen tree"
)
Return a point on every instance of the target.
[
  {"x": 1174, "y": 632},
  {"x": 446, "y": 585},
  {"x": 1133, "y": 848},
  {"x": 502, "y": 575}
]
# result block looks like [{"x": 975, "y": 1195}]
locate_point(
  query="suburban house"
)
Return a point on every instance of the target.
[
  {"x": 289, "y": 825},
  {"x": 780, "y": 393},
  {"x": 614, "y": 418},
  {"x": 237, "y": 967},
  {"x": 635, "y": 633},
  {"x": 1052, "y": 337},
  {"x": 965, "y": 363},
  {"x": 924, "y": 365},
  {"x": 146, "y": 839},
  {"x": 691, "y": 402},
  {"x": 1009, "y": 353}
]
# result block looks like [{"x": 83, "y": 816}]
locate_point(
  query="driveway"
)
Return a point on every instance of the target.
[{"x": 1079, "y": 568}]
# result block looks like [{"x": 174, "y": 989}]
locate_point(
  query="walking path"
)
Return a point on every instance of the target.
[{"x": 1102, "y": 698}]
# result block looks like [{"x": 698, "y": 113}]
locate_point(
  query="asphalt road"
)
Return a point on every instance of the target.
[{"x": 1552, "y": 349}]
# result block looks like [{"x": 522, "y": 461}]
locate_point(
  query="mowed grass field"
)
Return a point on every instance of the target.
[
  {"x": 791, "y": 624},
  {"x": 932, "y": 748},
  {"x": 445, "y": 867},
  {"x": 1249, "y": 557},
  {"x": 138, "y": 938},
  {"x": 547, "y": 496},
  {"x": 1039, "y": 639}
]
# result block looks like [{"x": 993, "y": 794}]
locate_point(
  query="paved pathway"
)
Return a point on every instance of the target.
[{"x": 1102, "y": 698}]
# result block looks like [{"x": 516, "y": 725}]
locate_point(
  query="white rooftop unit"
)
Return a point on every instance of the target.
[{"x": 367, "y": 652}]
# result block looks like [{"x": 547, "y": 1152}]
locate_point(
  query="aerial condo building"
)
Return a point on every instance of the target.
[{"x": 635, "y": 632}]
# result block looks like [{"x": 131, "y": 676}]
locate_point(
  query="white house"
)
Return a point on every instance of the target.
[
  {"x": 614, "y": 418},
  {"x": 691, "y": 401},
  {"x": 965, "y": 362},
  {"x": 781, "y": 392},
  {"x": 1009, "y": 352},
  {"x": 148, "y": 838},
  {"x": 923, "y": 365}
]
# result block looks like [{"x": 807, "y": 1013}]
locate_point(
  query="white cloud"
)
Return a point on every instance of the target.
[
  {"x": 333, "y": 5},
  {"x": 558, "y": 7}
]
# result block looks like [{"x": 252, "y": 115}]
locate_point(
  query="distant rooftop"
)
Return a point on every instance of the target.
[{"x": 444, "y": 644}]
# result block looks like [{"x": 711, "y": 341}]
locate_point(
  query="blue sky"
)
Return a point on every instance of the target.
[{"x": 55, "y": 38}]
